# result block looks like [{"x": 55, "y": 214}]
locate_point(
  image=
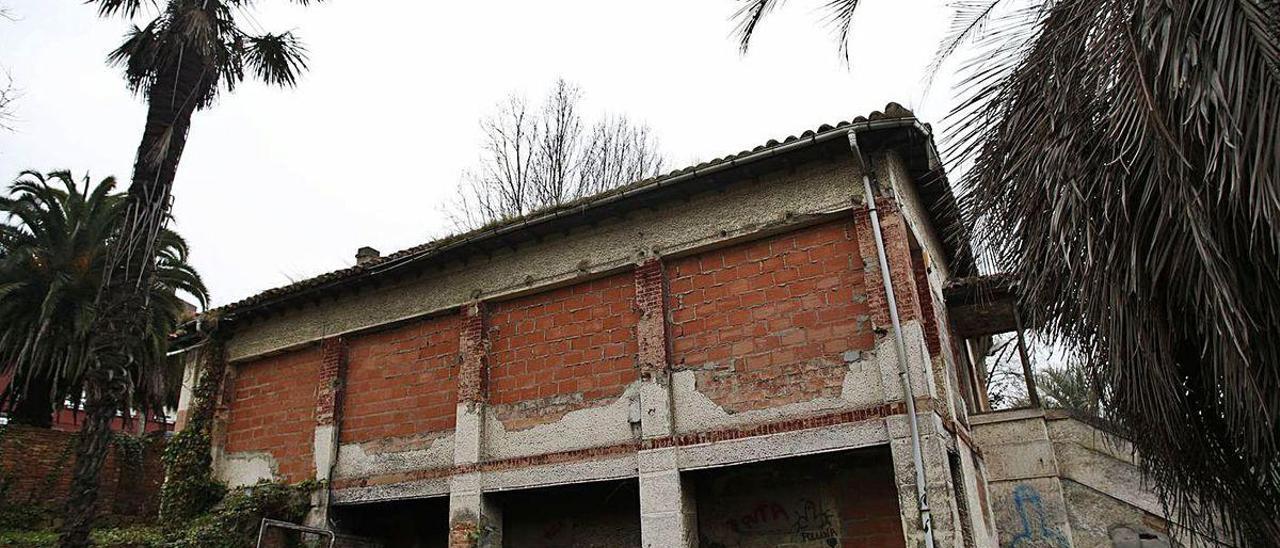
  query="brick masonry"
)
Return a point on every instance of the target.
[
  {"x": 897, "y": 245},
  {"x": 403, "y": 381},
  {"x": 769, "y": 322},
  {"x": 273, "y": 410},
  {"x": 561, "y": 350},
  {"x": 928, "y": 312},
  {"x": 333, "y": 364},
  {"x": 35, "y": 471},
  {"x": 651, "y": 324},
  {"x": 472, "y": 348}
]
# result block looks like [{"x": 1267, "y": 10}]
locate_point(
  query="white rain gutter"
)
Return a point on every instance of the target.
[{"x": 904, "y": 371}]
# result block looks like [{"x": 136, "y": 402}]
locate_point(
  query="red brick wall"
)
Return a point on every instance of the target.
[
  {"x": 402, "y": 381},
  {"x": 273, "y": 410},
  {"x": 562, "y": 350},
  {"x": 35, "y": 471},
  {"x": 765, "y": 323},
  {"x": 924, "y": 296}
]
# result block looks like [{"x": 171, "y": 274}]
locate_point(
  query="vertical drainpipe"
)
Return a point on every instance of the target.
[{"x": 904, "y": 372}]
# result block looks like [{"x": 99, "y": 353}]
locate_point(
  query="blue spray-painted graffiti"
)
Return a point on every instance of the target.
[{"x": 1036, "y": 531}]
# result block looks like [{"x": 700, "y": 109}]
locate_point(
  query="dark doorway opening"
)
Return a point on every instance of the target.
[
  {"x": 416, "y": 523},
  {"x": 603, "y": 514}
]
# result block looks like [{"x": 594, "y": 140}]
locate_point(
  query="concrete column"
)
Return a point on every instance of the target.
[
  {"x": 475, "y": 520},
  {"x": 668, "y": 516},
  {"x": 668, "y": 505},
  {"x": 333, "y": 365}
]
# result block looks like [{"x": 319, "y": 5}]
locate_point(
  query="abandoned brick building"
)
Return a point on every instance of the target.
[{"x": 710, "y": 358}]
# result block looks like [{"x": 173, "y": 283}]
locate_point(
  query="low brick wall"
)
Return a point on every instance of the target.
[{"x": 35, "y": 476}]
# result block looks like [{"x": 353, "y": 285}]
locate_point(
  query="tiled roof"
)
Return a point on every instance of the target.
[{"x": 891, "y": 111}]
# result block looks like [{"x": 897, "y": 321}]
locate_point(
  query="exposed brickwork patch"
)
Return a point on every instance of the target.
[
  {"x": 561, "y": 350},
  {"x": 333, "y": 361},
  {"x": 897, "y": 244},
  {"x": 273, "y": 410},
  {"x": 768, "y": 322},
  {"x": 651, "y": 337},
  {"x": 924, "y": 298},
  {"x": 472, "y": 347},
  {"x": 403, "y": 381}
]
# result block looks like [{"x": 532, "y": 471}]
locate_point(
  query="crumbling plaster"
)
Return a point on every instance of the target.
[
  {"x": 597, "y": 426},
  {"x": 870, "y": 379},
  {"x": 420, "y": 452},
  {"x": 245, "y": 468}
]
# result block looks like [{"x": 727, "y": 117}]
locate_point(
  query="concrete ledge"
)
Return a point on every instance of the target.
[
  {"x": 783, "y": 445},
  {"x": 434, "y": 487},
  {"x": 1006, "y": 415}
]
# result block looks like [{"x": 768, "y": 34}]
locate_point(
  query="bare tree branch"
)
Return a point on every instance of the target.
[
  {"x": 534, "y": 157},
  {"x": 8, "y": 95}
]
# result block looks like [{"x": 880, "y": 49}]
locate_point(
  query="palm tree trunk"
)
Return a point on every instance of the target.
[{"x": 121, "y": 323}]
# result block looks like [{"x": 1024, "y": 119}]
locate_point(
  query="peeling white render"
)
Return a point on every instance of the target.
[
  {"x": 870, "y": 379},
  {"x": 245, "y": 468},
  {"x": 602, "y": 425},
  {"x": 372, "y": 458}
]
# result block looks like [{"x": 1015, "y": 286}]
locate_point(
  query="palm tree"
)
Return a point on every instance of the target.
[
  {"x": 1125, "y": 159},
  {"x": 52, "y": 253},
  {"x": 179, "y": 62}
]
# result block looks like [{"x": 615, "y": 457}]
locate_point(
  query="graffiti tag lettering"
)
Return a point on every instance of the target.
[{"x": 1036, "y": 530}]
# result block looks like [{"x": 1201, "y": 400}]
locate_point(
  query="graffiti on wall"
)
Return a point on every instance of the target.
[
  {"x": 1034, "y": 528},
  {"x": 800, "y": 522}
]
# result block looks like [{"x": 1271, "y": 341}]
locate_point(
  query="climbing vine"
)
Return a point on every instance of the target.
[
  {"x": 234, "y": 522},
  {"x": 189, "y": 488}
]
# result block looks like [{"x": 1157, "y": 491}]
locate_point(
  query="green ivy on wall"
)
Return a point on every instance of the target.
[{"x": 189, "y": 488}]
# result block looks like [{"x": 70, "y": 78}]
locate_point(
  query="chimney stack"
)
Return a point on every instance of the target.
[{"x": 366, "y": 254}]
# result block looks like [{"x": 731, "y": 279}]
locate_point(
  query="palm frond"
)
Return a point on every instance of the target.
[
  {"x": 1125, "y": 169},
  {"x": 749, "y": 17},
  {"x": 840, "y": 17},
  {"x": 139, "y": 55},
  {"x": 123, "y": 8},
  {"x": 968, "y": 23},
  {"x": 276, "y": 59}
]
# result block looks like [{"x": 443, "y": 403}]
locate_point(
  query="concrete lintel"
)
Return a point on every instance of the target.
[
  {"x": 435, "y": 487},
  {"x": 552, "y": 475},
  {"x": 784, "y": 445}
]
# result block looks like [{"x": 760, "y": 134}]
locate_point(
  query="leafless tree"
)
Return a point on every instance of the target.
[
  {"x": 8, "y": 92},
  {"x": 538, "y": 156}
]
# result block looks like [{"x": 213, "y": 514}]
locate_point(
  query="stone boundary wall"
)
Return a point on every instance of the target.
[{"x": 35, "y": 475}]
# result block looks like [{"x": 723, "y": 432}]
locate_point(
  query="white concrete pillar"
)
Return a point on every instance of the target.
[
  {"x": 475, "y": 519},
  {"x": 668, "y": 508}
]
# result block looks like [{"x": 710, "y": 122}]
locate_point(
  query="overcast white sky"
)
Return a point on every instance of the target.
[{"x": 278, "y": 185}]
